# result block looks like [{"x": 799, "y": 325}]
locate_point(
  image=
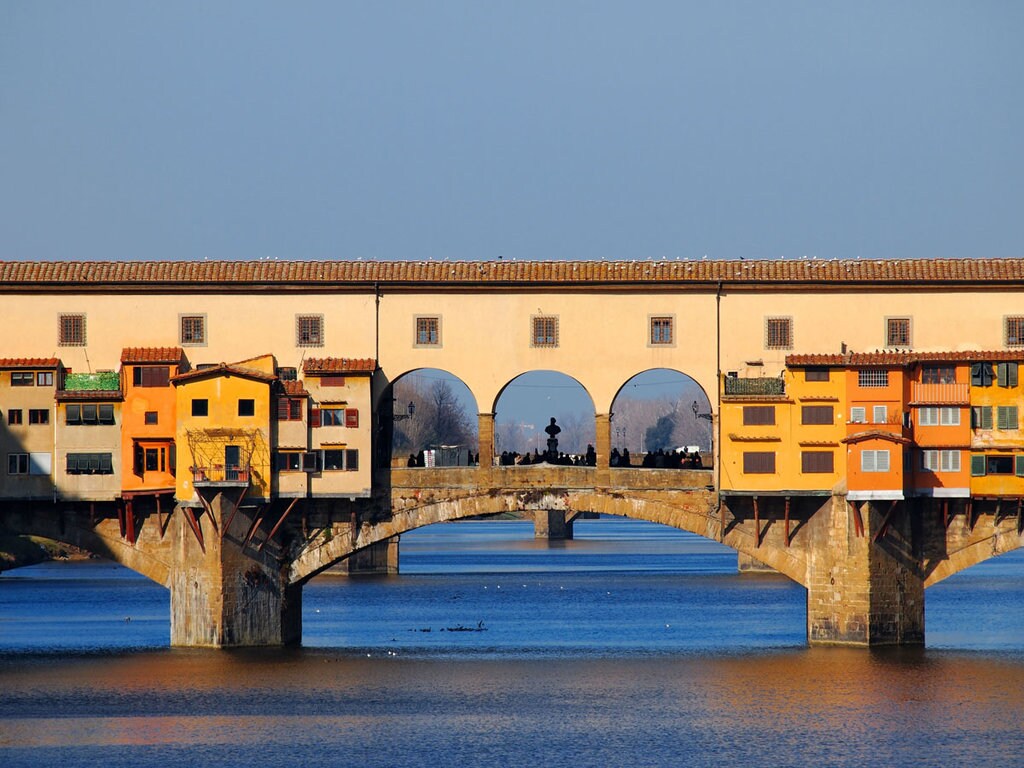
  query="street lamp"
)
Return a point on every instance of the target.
[{"x": 410, "y": 411}]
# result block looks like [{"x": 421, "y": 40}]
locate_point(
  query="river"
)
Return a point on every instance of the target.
[{"x": 634, "y": 645}]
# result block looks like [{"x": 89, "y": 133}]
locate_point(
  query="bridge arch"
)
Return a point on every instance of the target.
[
  {"x": 696, "y": 515},
  {"x": 524, "y": 405}
]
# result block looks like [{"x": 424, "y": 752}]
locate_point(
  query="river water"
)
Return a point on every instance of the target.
[{"x": 634, "y": 645}]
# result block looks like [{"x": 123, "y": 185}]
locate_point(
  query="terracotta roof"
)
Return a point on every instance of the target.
[
  {"x": 294, "y": 388},
  {"x": 106, "y": 395},
  {"x": 855, "y": 359},
  {"x": 224, "y": 369},
  {"x": 29, "y": 362},
  {"x": 876, "y": 434},
  {"x": 367, "y": 273},
  {"x": 151, "y": 355},
  {"x": 333, "y": 365}
]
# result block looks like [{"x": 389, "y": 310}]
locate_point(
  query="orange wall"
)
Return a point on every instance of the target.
[{"x": 137, "y": 401}]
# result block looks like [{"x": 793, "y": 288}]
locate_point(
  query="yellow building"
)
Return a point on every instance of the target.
[
  {"x": 997, "y": 443},
  {"x": 87, "y": 437},
  {"x": 27, "y": 422},
  {"x": 224, "y": 427}
]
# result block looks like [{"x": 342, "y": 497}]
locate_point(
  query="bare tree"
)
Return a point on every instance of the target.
[{"x": 439, "y": 417}]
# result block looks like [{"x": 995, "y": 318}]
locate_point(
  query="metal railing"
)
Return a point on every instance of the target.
[{"x": 220, "y": 473}]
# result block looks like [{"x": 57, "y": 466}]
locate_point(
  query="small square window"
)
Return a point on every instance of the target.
[
  {"x": 778, "y": 333},
  {"x": 22, "y": 379},
  {"x": 662, "y": 331},
  {"x": 309, "y": 330},
  {"x": 897, "y": 332},
  {"x": 288, "y": 374},
  {"x": 873, "y": 378},
  {"x": 38, "y": 416},
  {"x": 1013, "y": 330},
  {"x": 152, "y": 418},
  {"x": 193, "y": 330},
  {"x": 759, "y": 462},
  {"x": 544, "y": 331},
  {"x": 14, "y": 416},
  {"x": 44, "y": 379},
  {"x": 428, "y": 331},
  {"x": 71, "y": 331},
  {"x": 201, "y": 407},
  {"x": 246, "y": 407},
  {"x": 816, "y": 374}
]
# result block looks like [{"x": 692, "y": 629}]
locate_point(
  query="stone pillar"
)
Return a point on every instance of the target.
[
  {"x": 380, "y": 558},
  {"x": 227, "y": 596},
  {"x": 486, "y": 431},
  {"x": 858, "y": 592},
  {"x": 747, "y": 564},
  {"x": 551, "y": 524},
  {"x": 603, "y": 448}
]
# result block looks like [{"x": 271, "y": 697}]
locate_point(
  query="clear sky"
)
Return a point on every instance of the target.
[{"x": 523, "y": 129}]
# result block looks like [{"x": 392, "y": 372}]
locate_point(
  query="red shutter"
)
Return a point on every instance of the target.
[
  {"x": 282, "y": 409},
  {"x": 351, "y": 417},
  {"x": 314, "y": 417}
]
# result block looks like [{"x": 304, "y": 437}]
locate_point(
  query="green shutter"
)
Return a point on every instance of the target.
[
  {"x": 977, "y": 466},
  {"x": 1011, "y": 374},
  {"x": 1002, "y": 376},
  {"x": 1019, "y": 465}
]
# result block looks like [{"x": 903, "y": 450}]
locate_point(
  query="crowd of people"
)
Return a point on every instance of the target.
[{"x": 659, "y": 459}]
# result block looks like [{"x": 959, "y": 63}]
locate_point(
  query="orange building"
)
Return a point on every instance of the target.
[
  {"x": 939, "y": 400},
  {"x": 997, "y": 443}
]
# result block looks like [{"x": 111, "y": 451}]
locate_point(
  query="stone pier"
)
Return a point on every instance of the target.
[
  {"x": 552, "y": 524},
  {"x": 377, "y": 559}
]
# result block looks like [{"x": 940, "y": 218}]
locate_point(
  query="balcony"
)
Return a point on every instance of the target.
[
  {"x": 221, "y": 476},
  {"x": 759, "y": 387},
  {"x": 940, "y": 394}
]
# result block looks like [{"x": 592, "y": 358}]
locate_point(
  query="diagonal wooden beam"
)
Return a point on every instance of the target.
[
  {"x": 254, "y": 525},
  {"x": 858, "y": 522},
  {"x": 190, "y": 516},
  {"x": 277, "y": 525},
  {"x": 787, "y": 522},
  {"x": 884, "y": 527},
  {"x": 757, "y": 523},
  {"x": 234, "y": 509}
]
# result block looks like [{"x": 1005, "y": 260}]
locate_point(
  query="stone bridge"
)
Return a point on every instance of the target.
[{"x": 235, "y": 572}]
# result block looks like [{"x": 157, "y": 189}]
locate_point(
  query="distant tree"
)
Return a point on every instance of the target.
[
  {"x": 659, "y": 437},
  {"x": 440, "y": 417}
]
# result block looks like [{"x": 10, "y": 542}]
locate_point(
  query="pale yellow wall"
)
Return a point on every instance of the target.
[
  {"x": 25, "y": 437},
  {"x": 355, "y": 394},
  {"x": 88, "y": 438}
]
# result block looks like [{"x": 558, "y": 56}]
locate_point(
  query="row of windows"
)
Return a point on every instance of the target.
[
  {"x": 812, "y": 462},
  {"x": 982, "y": 416},
  {"x": 778, "y": 332},
  {"x": 35, "y": 416},
  {"x": 31, "y": 378},
  {"x": 77, "y": 464},
  {"x": 290, "y": 409},
  {"x": 192, "y": 330},
  {"x": 327, "y": 460}
]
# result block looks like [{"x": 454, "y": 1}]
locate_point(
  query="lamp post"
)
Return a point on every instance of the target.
[
  {"x": 697, "y": 415},
  {"x": 410, "y": 411}
]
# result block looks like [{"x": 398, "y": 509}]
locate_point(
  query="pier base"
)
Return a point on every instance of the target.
[
  {"x": 747, "y": 564},
  {"x": 380, "y": 558},
  {"x": 551, "y": 524},
  {"x": 864, "y": 592}
]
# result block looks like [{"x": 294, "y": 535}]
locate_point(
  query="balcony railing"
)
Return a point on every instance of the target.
[
  {"x": 758, "y": 386},
  {"x": 220, "y": 474},
  {"x": 941, "y": 394}
]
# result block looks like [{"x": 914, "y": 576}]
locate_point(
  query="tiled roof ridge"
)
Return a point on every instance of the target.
[
  {"x": 151, "y": 354},
  {"x": 315, "y": 365},
  {"x": 973, "y": 270},
  {"x": 30, "y": 362},
  {"x": 232, "y": 368},
  {"x": 892, "y": 357}
]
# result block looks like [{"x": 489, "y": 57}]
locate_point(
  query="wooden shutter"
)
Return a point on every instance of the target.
[
  {"x": 759, "y": 415},
  {"x": 314, "y": 417},
  {"x": 1019, "y": 465},
  {"x": 352, "y": 459},
  {"x": 351, "y": 417},
  {"x": 977, "y": 465},
  {"x": 283, "y": 405}
]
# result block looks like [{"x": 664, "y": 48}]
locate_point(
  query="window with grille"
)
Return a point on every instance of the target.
[
  {"x": 309, "y": 330},
  {"x": 817, "y": 414},
  {"x": 759, "y": 462},
  {"x": 662, "y": 331},
  {"x": 817, "y": 462},
  {"x": 545, "y": 331},
  {"x": 428, "y": 331},
  {"x": 1013, "y": 327},
  {"x": 71, "y": 331},
  {"x": 872, "y": 377},
  {"x": 758, "y": 415},
  {"x": 938, "y": 374},
  {"x": 816, "y": 374},
  {"x": 874, "y": 461},
  {"x": 897, "y": 332},
  {"x": 288, "y": 374},
  {"x": 193, "y": 329},
  {"x": 778, "y": 333}
]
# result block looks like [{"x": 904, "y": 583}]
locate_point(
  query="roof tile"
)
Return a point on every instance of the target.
[
  {"x": 331, "y": 365},
  {"x": 30, "y": 362},
  {"x": 151, "y": 355}
]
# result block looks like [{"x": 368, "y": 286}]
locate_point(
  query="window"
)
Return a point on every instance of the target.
[
  {"x": 1006, "y": 417},
  {"x": 151, "y": 376},
  {"x": 858, "y": 415},
  {"x": 14, "y": 416},
  {"x": 352, "y": 459},
  {"x": 872, "y": 378},
  {"x": 17, "y": 463},
  {"x": 289, "y": 461},
  {"x": 759, "y": 462},
  {"x": 758, "y": 415},
  {"x": 992, "y": 465},
  {"x": 154, "y": 459},
  {"x": 193, "y": 329},
  {"x": 201, "y": 407},
  {"x": 428, "y": 332},
  {"x": 932, "y": 417},
  {"x": 71, "y": 331},
  {"x": 246, "y": 407},
  {"x": 309, "y": 330},
  {"x": 332, "y": 416},
  {"x": 1006, "y": 374},
  {"x": 1014, "y": 330},
  {"x": 879, "y": 414},
  {"x": 106, "y": 414},
  {"x": 817, "y": 414},
  {"x": 662, "y": 331},
  {"x": 90, "y": 414},
  {"x": 897, "y": 332},
  {"x": 938, "y": 374},
  {"x": 874, "y": 461},
  {"x": 38, "y": 416},
  {"x": 288, "y": 374},
  {"x": 44, "y": 379},
  {"x": 334, "y": 460},
  {"x": 332, "y": 381},
  {"x": 152, "y": 418},
  {"x": 817, "y": 462},
  {"x": 940, "y": 461},
  {"x": 778, "y": 333},
  {"x": 981, "y": 417},
  {"x": 22, "y": 378},
  {"x": 545, "y": 331},
  {"x": 981, "y": 375},
  {"x": 89, "y": 464},
  {"x": 816, "y": 374},
  {"x": 289, "y": 409},
  {"x": 72, "y": 414}
]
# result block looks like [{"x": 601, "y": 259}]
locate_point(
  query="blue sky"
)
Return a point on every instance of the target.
[{"x": 525, "y": 129}]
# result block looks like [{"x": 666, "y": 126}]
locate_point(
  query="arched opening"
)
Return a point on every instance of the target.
[
  {"x": 544, "y": 417},
  {"x": 661, "y": 419},
  {"x": 432, "y": 418}
]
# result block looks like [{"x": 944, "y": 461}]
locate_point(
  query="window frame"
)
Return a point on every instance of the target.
[
  {"x": 429, "y": 325},
  {"x": 656, "y": 325},
  {"x": 544, "y": 340},
  {"x": 815, "y": 415},
  {"x": 894, "y": 332},
  {"x": 71, "y": 329},
  {"x": 249, "y": 404},
  {"x": 819, "y": 373},
  {"x": 879, "y": 409},
  {"x": 875, "y": 454},
  {"x": 313, "y": 330},
  {"x": 15, "y": 416},
  {"x": 151, "y": 376},
  {"x": 757, "y": 415},
  {"x": 774, "y": 335},
  {"x": 39, "y": 416},
  {"x": 938, "y": 374},
  {"x": 808, "y": 458},
  {"x": 1013, "y": 331},
  {"x": 752, "y": 465},
  {"x": 872, "y": 378},
  {"x": 196, "y": 407},
  {"x": 23, "y": 379},
  {"x": 15, "y": 460},
  {"x": 189, "y": 317}
]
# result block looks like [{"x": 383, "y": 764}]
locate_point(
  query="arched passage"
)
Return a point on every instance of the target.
[
  {"x": 523, "y": 413},
  {"x": 429, "y": 416}
]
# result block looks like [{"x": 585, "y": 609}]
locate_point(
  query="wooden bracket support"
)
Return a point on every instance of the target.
[
  {"x": 757, "y": 523},
  {"x": 884, "y": 527},
  {"x": 787, "y": 522},
  {"x": 858, "y": 521},
  {"x": 190, "y": 516},
  {"x": 234, "y": 509},
  {"x": 254, "y": 526},
  {"x": 277, "y": 525}
]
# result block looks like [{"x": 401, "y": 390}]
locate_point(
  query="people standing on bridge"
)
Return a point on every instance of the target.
[{"x": 591, "y": 456}]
